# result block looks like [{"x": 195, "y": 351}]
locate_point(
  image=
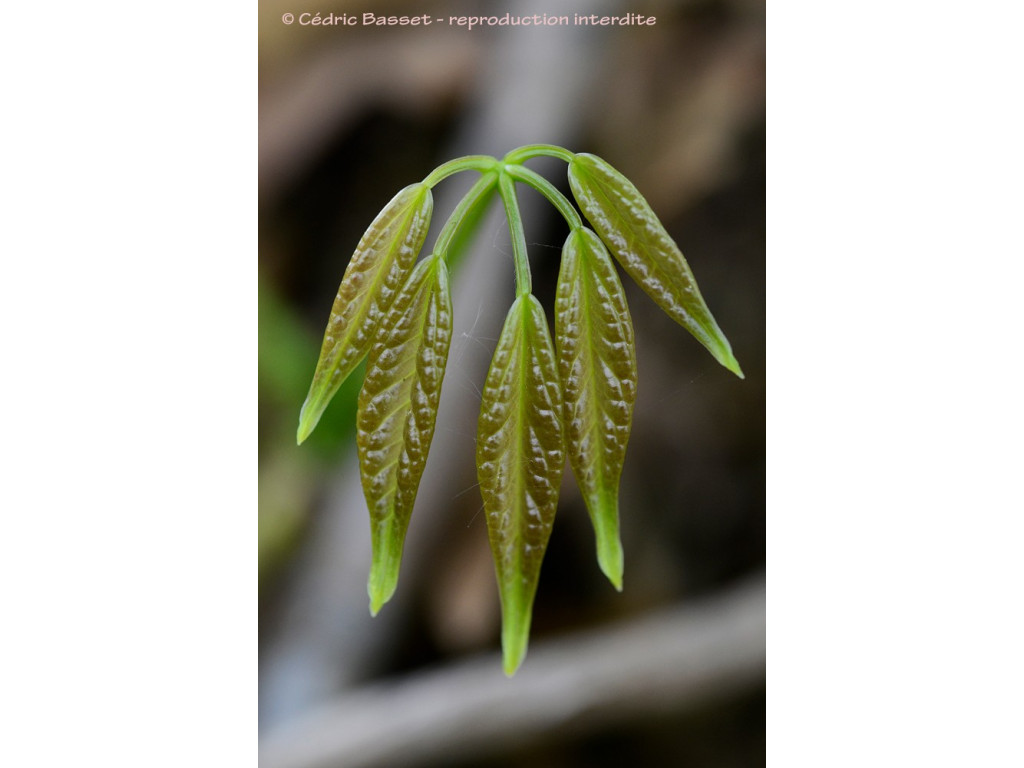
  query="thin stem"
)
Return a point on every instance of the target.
[
  {"x": 520, "y": 154},
  {"x": 507, "y": 188},
  {"x": 482, "y": 163},
  {"x": 455, "y": 221},
  {"x": 546, "y": 188}
]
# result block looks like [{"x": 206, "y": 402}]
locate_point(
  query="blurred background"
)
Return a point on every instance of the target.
[{"x": 670, "y": 671}]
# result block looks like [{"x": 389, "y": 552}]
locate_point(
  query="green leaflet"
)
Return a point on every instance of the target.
[
  {"x": 377, "y": 270},
  {"x": 397, "y": 409},
  {"x": 597, "y": 363},
  {"x": 624, "y": 220},
  {"x": 520, "y": 457}
]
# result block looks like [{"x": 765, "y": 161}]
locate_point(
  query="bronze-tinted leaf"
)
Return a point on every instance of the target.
[
  {"x": 377, "y": 270},
  {"x": 597, "y": 363},
  {"x": 520, "y": 456},
  {"x": 624, "y": 220},
  {"x": 397, "y": 409}
]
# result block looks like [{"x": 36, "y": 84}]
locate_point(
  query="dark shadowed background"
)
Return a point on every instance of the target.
[{"x": 670, "y": 671}]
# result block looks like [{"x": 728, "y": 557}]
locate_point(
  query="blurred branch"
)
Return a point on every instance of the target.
[{"x": 670, "y": 662}]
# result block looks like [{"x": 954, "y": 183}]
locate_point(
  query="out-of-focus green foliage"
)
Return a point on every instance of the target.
[{"x": 286, "y": 475}]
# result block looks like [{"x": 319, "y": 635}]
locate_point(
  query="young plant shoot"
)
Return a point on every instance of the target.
[{"x": 544, "y": 399}]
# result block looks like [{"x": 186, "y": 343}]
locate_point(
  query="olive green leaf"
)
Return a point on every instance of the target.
[
  {"x": 626, "y": 223},
  {"x": 397, "y": 410},
  {"x": 377, "y": 270},
  {"x": 520, "y": 456},
  {"x": 597, "y": 363}
]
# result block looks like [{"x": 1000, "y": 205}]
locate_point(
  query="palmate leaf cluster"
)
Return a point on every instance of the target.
[{"x": 544, "y": 400}]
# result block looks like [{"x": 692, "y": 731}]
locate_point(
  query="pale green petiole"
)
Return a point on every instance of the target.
[
  {"x": 521, "y": 154},
  {"x": 546, "y": 188},
  {"x": 482, "y": 163},
  {"x": 507, "y": 188}
]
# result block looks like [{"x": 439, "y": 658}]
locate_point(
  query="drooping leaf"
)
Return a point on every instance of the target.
[
  {"x": 597, "y": 364},
  {"x": 626, "y": 223},
  {"x": 397, "y": 410},
  {"x": 520, "y": 456},
  {"x": 378, "y": 268}
]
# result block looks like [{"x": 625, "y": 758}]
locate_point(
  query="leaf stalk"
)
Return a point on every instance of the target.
[
  {"x": 482, "y": 163},
  {"x": 521, "y": 154},
  {"x": 507, "y": 188},
  {"x": 546, "y": 188}
]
